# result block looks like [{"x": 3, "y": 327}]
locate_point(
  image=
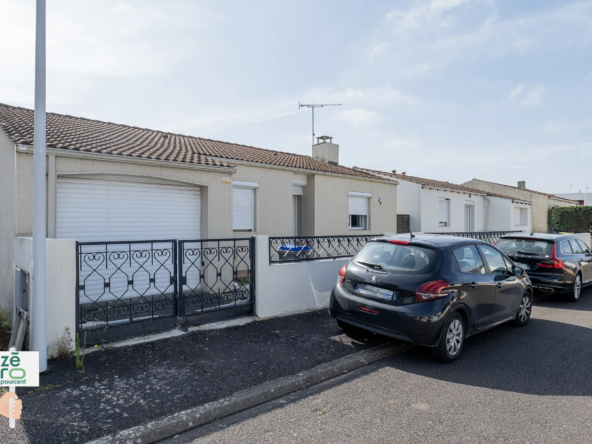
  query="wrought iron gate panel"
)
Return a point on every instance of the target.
[
  {"x": 216, "y": 274},
  {"x": 119, "y": 283}
]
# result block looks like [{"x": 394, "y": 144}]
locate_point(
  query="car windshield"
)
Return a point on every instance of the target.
[
  {"x": 533, "y": 247},
  {"x": 395, "y": 258}
]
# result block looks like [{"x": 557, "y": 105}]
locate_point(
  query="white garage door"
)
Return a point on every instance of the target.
[{"x": 103, "y": 210}]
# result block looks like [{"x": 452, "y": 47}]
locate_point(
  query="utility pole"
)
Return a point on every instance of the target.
[
  {"x": 313, "y": 106},
  {"x": 38, "y": 311}
]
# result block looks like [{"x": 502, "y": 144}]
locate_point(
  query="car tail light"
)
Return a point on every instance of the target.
[
  {"x": 555, "y": 262},
  {"x": 432, "y": 290},
  {"x": 367, "y": 310},
  {"x": 341, "y": 277},
  {"x": 398, "y": 242}
]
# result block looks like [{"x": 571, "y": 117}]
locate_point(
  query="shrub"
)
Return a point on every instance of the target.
[{"x": 572, "y": 219}]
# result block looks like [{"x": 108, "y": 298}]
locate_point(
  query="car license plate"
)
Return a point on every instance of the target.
[
  {"x": 523, "y": 266},
  {"x": 375, "y": 292}
]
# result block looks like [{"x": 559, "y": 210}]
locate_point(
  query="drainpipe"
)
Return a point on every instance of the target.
[{"x": 487, "y": 214}]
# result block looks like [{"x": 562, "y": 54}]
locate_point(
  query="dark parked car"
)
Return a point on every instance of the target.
[
  {"x": 430, "y": 290},
  {"x": 554, "y": 262}
]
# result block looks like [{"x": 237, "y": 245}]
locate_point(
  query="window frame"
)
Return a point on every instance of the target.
[
  {"x": 570, "y": 253},
  {"x": 491, "y": 273},
  {"x": 574, "y": 240},
  {"x": 446, "y": 201},
  {"x": 253, "y": 186},
  {"x": 478, "y": 254},
  {"x": 365, "y": 218}
]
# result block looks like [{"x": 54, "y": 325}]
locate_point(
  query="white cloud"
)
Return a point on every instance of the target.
[
  {"x": 528, "y": 98},
  {"x": 358, "y": 116}
]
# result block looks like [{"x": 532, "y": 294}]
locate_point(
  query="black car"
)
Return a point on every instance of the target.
[
  {"x": 430, "y": 290},
  {"x": 554, "y": 262}
]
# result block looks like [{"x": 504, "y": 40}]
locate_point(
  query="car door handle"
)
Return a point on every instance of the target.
[
  {"x": 499, "y": 285},
  {"x": 473, "y": 285}
]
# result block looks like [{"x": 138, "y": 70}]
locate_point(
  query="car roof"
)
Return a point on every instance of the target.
[
  {"x": 540, "y": 236},
  {"x": 432, "y": 240}
]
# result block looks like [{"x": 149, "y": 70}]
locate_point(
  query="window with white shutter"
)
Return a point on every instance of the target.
[
  {"x": 358, "y": 210},
  {"x": 520, "y": 217},
  {"x": 444, "y": 213},
  {"x": 243, "y": 206}
]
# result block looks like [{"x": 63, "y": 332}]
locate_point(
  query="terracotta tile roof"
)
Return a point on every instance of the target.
[
  {"x": 528, "y": 190},
  {"x": 430, "y": 183},
  {"x": 93, "y": 136}
]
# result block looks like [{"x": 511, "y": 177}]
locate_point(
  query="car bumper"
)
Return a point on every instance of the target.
[
  {"x": 550, "y": 283},
  {"x": 420, "y": 323}
]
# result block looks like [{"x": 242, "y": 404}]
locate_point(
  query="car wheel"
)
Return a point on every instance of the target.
[
  {"x": 524, "y": 310},
  {"x": 452, "y": 339},
  {"x": 576, "y": 289}
]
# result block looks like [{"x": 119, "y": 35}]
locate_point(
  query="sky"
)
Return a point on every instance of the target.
[{"x": 451, "y": 90}]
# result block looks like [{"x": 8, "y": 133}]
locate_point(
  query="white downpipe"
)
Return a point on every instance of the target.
[
  {"x": 38, "y": 311},
  {"x": 487, "y": 213}
]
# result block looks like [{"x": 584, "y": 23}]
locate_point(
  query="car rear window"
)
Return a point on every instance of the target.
[
  {"x": 534, "y": 247},
  {"x": 396, "y": 258}
]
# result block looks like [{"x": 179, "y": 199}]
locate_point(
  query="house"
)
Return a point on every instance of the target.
[
  {"x": 438, "y": 207},
  {"x": 583, "y": 198},
  {"x": 541, "y": 202}
]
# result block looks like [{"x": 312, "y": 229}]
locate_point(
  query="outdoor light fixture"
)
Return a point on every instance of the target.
[{"x": 380, "y": 200}]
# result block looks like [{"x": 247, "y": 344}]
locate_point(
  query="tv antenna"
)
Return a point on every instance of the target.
[{"x": 313, "y": 106}]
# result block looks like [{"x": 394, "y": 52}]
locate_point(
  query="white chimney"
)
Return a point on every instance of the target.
[
  {"x": 325, "y": 150},
  {"x": 522, "y": 184}
]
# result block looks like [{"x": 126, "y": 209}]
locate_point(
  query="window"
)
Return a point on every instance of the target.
[
  {"x": 575, "y": 247},
  {"x": 358, "y": 210},
  {"x": 520, "y": 217},
  {"x": 565, "y": 248},
  {"x": 535, "y": 247},
  {"x": 585, "y": 248},
  {"x": 444, "y": 213},
  {"x": 399, "y": 259},
  {"x": 494, "y": 259},
  {"x": 469, "y": 260},
  {"x": 243, "y": 206}
]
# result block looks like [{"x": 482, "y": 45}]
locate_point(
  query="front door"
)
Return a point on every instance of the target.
[
  {"x": 469, "y": 218},
  {"x": 296, "y": 215},
  {"x": 508, "y": 287},
  {"x": 478, "y": 285}
]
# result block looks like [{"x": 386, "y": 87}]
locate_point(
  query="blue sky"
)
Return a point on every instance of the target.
[{"x": 446, "y": 89}]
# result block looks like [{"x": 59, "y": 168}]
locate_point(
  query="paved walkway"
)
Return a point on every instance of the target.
[{"x": 126, "y": 387}]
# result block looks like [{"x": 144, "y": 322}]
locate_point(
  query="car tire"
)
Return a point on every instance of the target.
[
  {"x": 452, "y": 339},
  {"x": 524, "y": 310},
  {"x": 576, "y": 289}
]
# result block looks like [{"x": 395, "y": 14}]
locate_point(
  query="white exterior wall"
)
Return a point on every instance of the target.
[
  {"x": 409, "y": 202},
  {"x": 429, "y": 211},
  {"x": 60, "y": 285},
  {"x": 293, "y": 287}
]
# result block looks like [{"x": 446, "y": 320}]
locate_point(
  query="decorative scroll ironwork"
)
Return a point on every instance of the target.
[
  {"x": 296, "y": 249},
  {"x": 215, "y": 274},
  {"x": 123, "y": 282},
  {"x": 487, "y": 236}
]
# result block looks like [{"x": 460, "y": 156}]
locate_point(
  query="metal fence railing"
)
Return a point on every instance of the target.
[
  {"x": 487, "y": 236},
  {"x": 296, "y": 249}
]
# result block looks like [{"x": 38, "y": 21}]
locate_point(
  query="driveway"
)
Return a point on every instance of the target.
[{"x": 531, "y": 384}]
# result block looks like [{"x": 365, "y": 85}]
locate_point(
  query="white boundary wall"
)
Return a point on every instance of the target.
[
  {"x": 60, "y": 285},
  {"x": 292, "y": 287}
]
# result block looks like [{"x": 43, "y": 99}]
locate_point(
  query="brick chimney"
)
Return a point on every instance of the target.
[
  {"x": 325, "y": 150},
  {"x": 522, "y": 184}
]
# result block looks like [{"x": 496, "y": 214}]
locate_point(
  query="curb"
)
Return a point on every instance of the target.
[{"x": 176, "y": 423}]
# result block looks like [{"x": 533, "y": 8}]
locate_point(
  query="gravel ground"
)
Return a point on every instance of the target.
[
  {"x": 512, "y": 385},
  {"x": 126, "y": 387}
]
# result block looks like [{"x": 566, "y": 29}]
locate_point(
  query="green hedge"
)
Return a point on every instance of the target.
[{"x": 572, "y": 219}]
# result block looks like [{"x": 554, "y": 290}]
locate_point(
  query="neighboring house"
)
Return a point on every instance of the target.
[
  {"x": 583, "y": 198},
  {"x": 108, "y": 182},
  {"x": 541, "y": 202},
  {"x": 438, "y": 207}
]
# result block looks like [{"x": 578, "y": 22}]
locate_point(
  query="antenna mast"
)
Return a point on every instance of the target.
[{"x": 313, "y": 106}]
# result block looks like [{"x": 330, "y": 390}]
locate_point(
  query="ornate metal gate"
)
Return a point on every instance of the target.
[{"x": 216, "y": 278}]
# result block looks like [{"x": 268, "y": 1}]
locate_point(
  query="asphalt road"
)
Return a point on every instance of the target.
[{"x": 511, "y": 385}]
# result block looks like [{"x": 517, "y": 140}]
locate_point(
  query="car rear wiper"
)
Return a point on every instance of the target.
[
  {"x": 368, "y": 264},
  {"x": 530, "y": 254}
]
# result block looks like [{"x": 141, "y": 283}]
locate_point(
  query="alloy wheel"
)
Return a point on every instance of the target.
[
  {"x": 454, "y": 337},
  {"x": 525, "y": 307},
  {"x": 577, "y": 287}
]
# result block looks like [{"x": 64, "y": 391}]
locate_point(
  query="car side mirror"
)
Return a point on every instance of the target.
[{"x": 517, "y": 271}]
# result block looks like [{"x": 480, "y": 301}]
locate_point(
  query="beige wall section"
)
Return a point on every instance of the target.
[
  {"x": 273, "y": 200},
  {"x": 540, "y": 203},
  {"x": 332, "y": 205},
  {"x": 215, "y": 204},
  {"x": 7, "y": 220}
]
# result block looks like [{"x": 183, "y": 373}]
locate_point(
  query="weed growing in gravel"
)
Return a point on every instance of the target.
[{"x": 79, "y": 354}]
